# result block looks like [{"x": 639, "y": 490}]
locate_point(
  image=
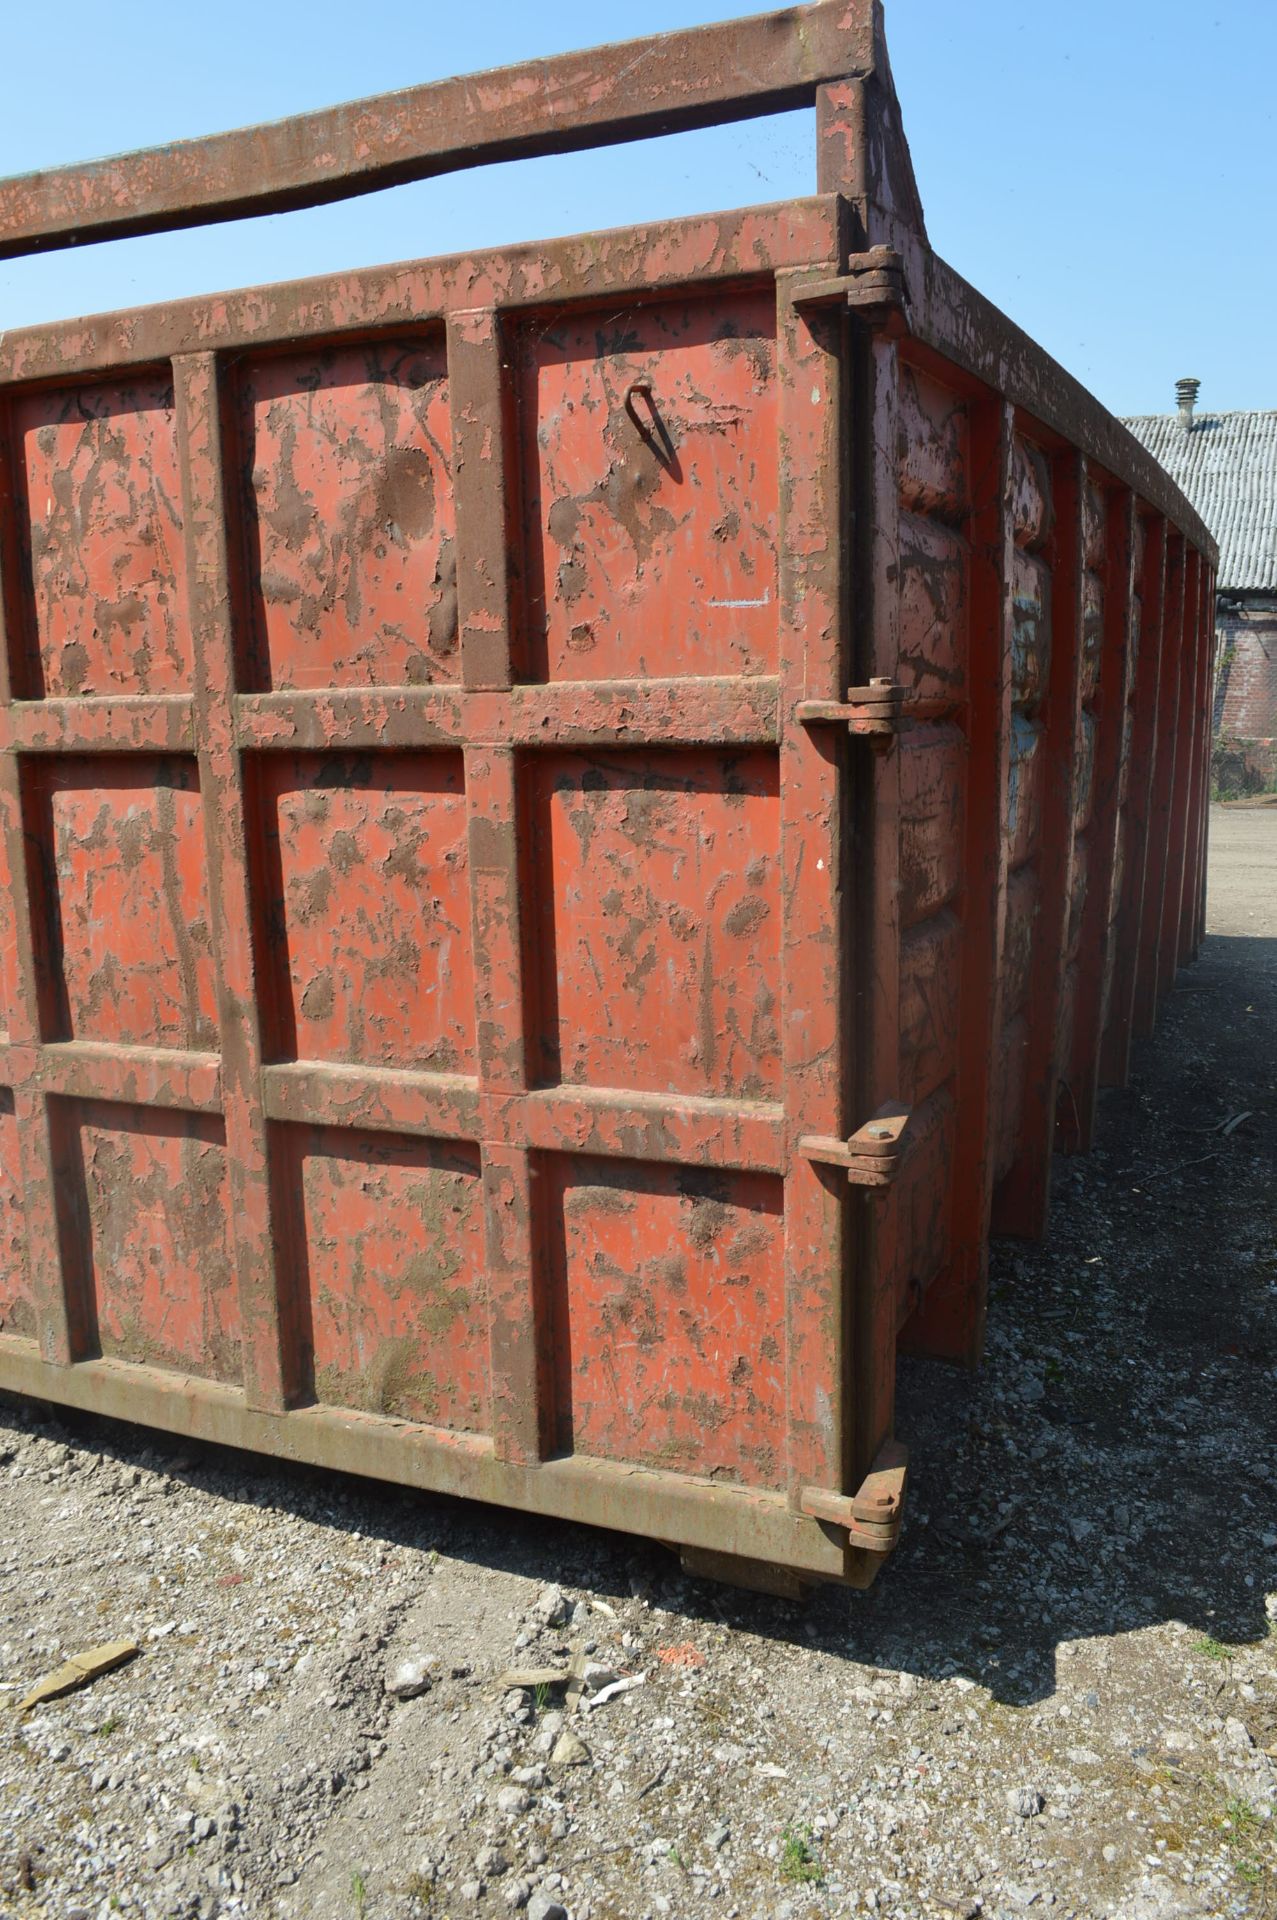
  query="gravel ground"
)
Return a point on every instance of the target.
[{"x": 1062, "y": 1696}]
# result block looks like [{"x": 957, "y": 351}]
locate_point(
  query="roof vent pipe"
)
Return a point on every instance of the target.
[{"x": 1186, "y": 396}]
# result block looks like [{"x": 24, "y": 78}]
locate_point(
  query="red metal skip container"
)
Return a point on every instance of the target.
[{"x": 577, "y": 820}]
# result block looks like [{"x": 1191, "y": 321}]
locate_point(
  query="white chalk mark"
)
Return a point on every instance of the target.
[{"x": 764, "y": 602}]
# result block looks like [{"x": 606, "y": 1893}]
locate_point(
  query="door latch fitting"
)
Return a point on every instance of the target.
[
  {"x": 873, "y": 1514},
  {"x": 871, "y": 713},
  {"x": 873, "y": 1155},
  {"x": 873, "y": 288}
]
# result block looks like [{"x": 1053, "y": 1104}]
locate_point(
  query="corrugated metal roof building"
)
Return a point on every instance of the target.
[{"x": 1227, "y": 465}]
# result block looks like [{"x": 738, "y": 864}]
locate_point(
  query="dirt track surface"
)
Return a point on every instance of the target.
[{"x": 1061, "y": 1698}]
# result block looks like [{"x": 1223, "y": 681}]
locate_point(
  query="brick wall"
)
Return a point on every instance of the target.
[{"x": 1246, "y": 684}]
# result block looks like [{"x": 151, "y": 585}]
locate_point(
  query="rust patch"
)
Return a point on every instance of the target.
[
  {"x": 933, "y": 447},
  {"x": 106, "y": 609},
  {"x": 367, "y": 911},
  {"x": 17, "y": 1304},
  {"x": 933, "y": 609},
  {"x": 1032, "y": 509},
  {"x": 930, "y": 977},
  {"x": 651, "y": 504},
  {"x": 669, "y": 1376},
  {"x": 386, "y": 1248},
  {"x": 122, "y": 901},
  {"x": 657, "y": 920},
  {"x": 148, "y": 1195},
  {"x": 348, "y": 526},
  {"x": 1031, "y": 630},
  {"x": 931, "y": 797}
]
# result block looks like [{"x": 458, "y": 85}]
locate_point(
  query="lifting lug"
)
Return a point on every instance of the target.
[
  {"x": 872, "y": 1516},
  {"x": 872, "y": 713},
  {"x": 874, "y": 1155}
]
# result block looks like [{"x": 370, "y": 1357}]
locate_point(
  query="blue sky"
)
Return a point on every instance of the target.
[{"x": 1106, "y": 171}]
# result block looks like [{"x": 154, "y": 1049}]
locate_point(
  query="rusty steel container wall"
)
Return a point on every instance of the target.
[{"x": 446, "y": 1033}]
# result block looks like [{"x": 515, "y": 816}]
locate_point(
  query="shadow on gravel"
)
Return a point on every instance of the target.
[
  {"x": 1112, "y": 1466},
  {"x": 1124, "y": 1427}
]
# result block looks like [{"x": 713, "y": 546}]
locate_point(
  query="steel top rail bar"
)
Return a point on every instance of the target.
[{"x": 735, "y": 70}]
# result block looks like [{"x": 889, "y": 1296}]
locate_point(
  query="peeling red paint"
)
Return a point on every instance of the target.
[
  {"x": 650, "y": 494},
  {"x": 668, "y": 1330},
  {"x": 656, "y": 881},
  {"x": 388, "y": 1272},
  {"x": 349, "y": 567},
  {"x": 103, "y": 534},
  {"x": 150, "y": 1188},
  {"x": 127, "y": 934},
  {"x": 366, "y": 909}
]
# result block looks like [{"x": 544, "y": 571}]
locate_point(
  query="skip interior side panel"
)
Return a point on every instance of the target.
[{"x": 569, "y": 817}]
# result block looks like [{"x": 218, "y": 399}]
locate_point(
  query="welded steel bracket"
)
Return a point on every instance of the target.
[
  {"x": 873, "y": 288},
  {"x": 873, "y": 1514},
  {"x": 872, "y": 713},
  {"x": 872, "y": 1156}
]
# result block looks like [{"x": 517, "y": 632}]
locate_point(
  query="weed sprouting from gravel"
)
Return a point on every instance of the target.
[
  {"x": 1239, "y": 1824},
  {"x": 1213, "y": 1649},
  {"x": 1241, "y": 1817},
  {"x": 359, "y": 1893},
  {"x": 798, "y": 1862}
]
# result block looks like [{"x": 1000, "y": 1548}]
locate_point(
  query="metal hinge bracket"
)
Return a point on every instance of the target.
[
  {"x": 872, "y": 287},
  {"x": 872, "y": 1516},
  {"x": 873, "y": 1156},
  {"x": 871, "y": 713}
]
